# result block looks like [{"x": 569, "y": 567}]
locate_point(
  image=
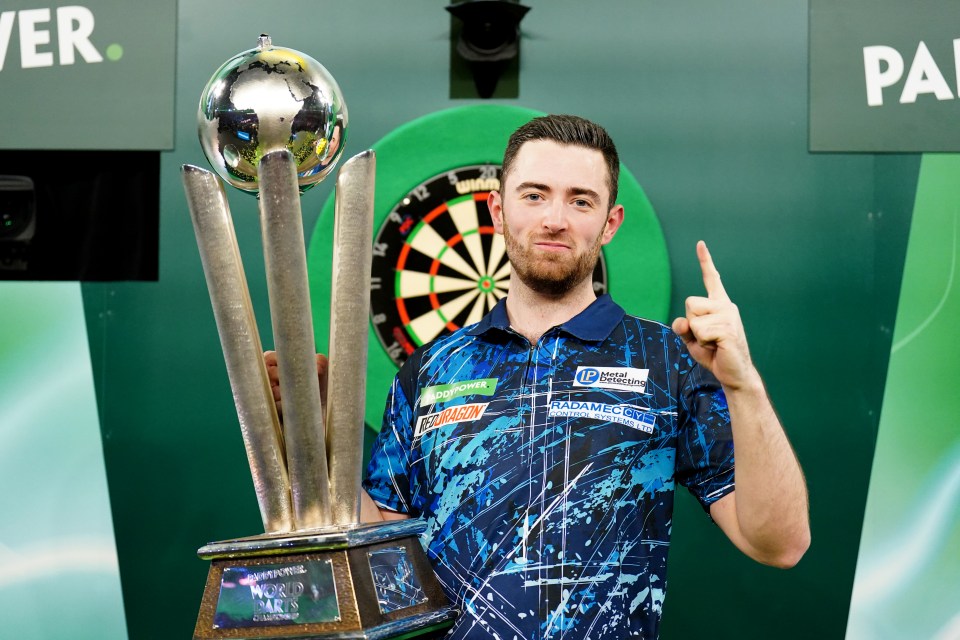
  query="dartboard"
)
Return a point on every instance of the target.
[{"x": 437, "y": 263}]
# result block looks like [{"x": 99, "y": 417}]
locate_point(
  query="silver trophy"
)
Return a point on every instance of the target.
[{"x": 272, "y": 121}]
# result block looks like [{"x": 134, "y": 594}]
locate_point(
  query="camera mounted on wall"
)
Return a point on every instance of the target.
[
  {"x": 18, "y": 221},
  {"x": 487, "y": 43}
]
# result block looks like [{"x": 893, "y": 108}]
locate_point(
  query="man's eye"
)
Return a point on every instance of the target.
[
  {"x": 580, "y": 202},
  {"x": 533, "y": 197}
]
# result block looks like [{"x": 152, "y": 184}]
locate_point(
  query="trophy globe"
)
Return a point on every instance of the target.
[{"x": 271, "y": 98}]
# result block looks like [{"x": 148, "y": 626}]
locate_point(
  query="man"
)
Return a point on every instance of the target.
[{"x": 542, "y": 445}]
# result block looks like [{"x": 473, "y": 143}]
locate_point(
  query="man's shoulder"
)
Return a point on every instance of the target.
[
  {"x": 455, "y": 339},
  {"x": 645, "y": 322},
  {"x": 458, "y": 337},
  {"x": 634, "y": 324}
]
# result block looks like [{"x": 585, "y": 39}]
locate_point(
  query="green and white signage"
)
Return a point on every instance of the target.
[
  {"x": 884, "y": 75},
  {"x": 88, "y": 75}
]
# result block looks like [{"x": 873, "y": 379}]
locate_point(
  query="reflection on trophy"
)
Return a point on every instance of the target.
[{"x": 272, "y": 121}]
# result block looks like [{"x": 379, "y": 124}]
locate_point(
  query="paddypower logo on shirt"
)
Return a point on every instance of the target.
[
  {"x": 634, "y": 417},
  {"x": 73, "y": 26},
  {"x": 453, "y": 415},
  {"x": 622, "y": 378},
  {"x": 444, "y": 392}
]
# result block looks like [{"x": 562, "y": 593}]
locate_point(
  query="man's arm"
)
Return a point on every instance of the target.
[
  {"x": 371, "y": 512},
  {"x": 767, "y": 516}
]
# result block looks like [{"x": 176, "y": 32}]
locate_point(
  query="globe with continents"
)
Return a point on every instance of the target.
[{"x": 271, "y": 98}]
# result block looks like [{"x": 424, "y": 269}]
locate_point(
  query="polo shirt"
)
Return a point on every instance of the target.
[{"x": 546, "y": 472}]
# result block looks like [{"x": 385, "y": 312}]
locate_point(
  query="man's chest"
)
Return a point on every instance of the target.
[{"x": 548, "y": 416}]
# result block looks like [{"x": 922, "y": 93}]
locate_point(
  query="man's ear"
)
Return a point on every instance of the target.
[
  {"x": 614, "y": 220},
  {"x": 495, "y": 205}
]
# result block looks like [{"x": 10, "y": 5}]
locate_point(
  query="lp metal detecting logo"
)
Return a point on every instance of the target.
[
  {"x": 586, "y": 376},
  {"x": 621, "y": 378}
]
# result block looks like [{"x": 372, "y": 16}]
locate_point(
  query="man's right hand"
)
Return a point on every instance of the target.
[{"x": 273, "y": 373}]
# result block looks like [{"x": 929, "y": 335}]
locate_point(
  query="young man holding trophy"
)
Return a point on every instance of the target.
[{"x": 543, "y": 444}]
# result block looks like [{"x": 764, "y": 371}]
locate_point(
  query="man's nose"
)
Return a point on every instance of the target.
[{"x": 555, "y": 218}]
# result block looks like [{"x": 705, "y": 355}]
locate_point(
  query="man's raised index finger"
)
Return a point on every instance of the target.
[{"x": 711, "y": 277}]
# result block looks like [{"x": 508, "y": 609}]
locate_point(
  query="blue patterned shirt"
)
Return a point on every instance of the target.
[{"x": 545, "y": 473}]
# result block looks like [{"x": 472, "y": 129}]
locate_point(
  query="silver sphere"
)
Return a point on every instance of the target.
[{"x": 266, "y": 99}]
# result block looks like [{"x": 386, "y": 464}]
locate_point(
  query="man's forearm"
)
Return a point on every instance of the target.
[
  {"x": 370, "y": 512},
  {"x": 771, "y": 494}
]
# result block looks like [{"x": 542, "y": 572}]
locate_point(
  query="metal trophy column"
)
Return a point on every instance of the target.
[{"x": 272, "y": 121}]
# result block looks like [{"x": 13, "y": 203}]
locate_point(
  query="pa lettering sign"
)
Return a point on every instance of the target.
[
  {"x": 884, "y": 75},
  {"x": 883, "y": 67}
]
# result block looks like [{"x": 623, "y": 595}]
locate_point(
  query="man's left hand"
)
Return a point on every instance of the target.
[{"x": 713, "y": 331}]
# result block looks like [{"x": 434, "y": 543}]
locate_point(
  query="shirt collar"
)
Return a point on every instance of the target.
[{"x": 593, "y": 323}]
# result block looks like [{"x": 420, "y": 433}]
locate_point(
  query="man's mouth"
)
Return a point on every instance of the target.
[{"x": 550, "y": 244}]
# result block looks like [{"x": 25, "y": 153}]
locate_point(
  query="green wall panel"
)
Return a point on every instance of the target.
[
  {"x": 59, "y": 575},
  {"x": 906, "y": 582}
]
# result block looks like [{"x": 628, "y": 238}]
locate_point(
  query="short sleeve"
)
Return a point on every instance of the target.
[
  {"x": 388, "y": 478},
  {"x": 705, "y": 461}
]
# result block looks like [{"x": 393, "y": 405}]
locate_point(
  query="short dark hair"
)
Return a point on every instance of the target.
[{"x": 565, "y": 129}]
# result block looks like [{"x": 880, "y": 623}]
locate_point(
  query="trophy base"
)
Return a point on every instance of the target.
[{"x": 363, "y": 582}]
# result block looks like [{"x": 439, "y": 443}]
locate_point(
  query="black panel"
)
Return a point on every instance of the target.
[{"x": 92, "y": 215}]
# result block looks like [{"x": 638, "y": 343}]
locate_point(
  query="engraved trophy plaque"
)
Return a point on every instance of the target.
[{"x": 272, "y": 121}]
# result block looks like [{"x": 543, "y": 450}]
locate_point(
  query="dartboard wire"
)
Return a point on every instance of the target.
[
  {"x": 497, "y": 249},
  {"x": 433, "y": 245},
  {"x": 402, "y": 275},
  {"x": 452, "y": 242},
  {"x": 404, "y": 254},
  {"x": 479, "y": 309},
  {"x": 479, "y": 281},
  {"x": 463, "y": 212},
  {"x": 429, "y": 325},
  {"x": 425, "y": 239},
  {"x": 453, "y": 308},
  {"x": 466, "y": 238},
  {"x": 417, "y": 283}
]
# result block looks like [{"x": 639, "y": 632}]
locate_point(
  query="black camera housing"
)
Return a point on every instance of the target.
[
  {"x": 18, "y": 222},
  {"x": 486, "y": 36},
  {"x": 18, "y": 209}
]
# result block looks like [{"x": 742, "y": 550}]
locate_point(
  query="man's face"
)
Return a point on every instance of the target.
[{"x": 552, "y": 211}]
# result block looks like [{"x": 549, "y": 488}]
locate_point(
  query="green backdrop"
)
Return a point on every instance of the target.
[
  {"x": 708, "y": 105},
  {"x": 907, "y": 575}
]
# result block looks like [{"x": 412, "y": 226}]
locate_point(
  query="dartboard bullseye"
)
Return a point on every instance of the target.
[{"x": 437, "y": 263}]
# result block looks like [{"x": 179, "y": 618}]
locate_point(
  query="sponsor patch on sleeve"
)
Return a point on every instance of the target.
[
  {"x": 626, "y": 414},
  {"x": 451, "y": 415},
  {"x": 621, "y": 378}
]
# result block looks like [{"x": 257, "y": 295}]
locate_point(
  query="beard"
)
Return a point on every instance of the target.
[{"x": 550, "y": 274}]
